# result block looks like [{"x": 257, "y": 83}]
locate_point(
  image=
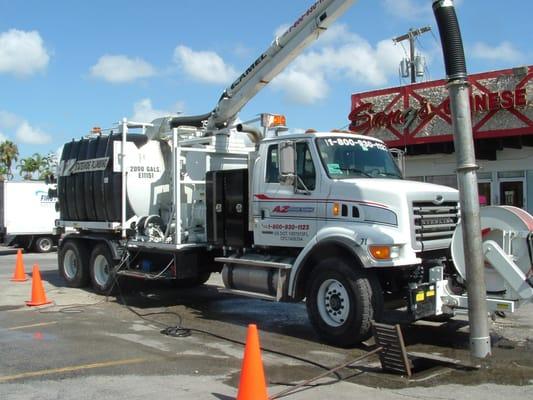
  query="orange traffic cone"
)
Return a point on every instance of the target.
[
  {"x": 252, "y": 384},
  {"x": 38, "y": 296},
  {"x": 19, "y": 275}
]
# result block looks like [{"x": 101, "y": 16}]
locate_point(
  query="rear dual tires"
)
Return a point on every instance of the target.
[
  {"x": 101, "y": 269},
  {"x": 78, "y": 267},
  {"x": 73, "y": 263},
  {"x": 342, "y": 301}
]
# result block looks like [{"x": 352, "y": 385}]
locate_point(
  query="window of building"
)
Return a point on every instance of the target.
[
  {"x": 445, "y": 180},
  {"x": 511, "y": 174}
]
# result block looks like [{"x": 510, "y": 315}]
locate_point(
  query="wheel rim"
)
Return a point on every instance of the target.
[
  {"x": 333, "y": 302},
  {"x": 70, "y": 264},
  {"x": 45, "y": 244},
  {"x": 101, "y": 270}
]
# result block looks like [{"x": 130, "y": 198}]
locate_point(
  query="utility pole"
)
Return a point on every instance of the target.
[{"x": 411, "y": 36}]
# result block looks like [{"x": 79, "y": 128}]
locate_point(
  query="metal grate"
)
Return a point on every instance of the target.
[
  {"x": 393, "y": 357},
  {"x": 434, "y": 223}
]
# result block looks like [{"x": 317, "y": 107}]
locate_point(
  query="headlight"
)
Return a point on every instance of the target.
[{"x": 384, "y": 252}]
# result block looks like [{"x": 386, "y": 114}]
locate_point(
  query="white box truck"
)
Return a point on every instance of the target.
[{"x": 27, "y": 215}]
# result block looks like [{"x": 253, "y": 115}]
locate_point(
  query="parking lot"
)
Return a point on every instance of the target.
[{"x": 89, "y": 346}]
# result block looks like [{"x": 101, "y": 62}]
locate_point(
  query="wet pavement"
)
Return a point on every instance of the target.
[{"x": 89, "y": 346}]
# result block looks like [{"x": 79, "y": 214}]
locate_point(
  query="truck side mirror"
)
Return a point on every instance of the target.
[
  {"x": 399, "y": 158},
  {"x": 287, "y": 165}
]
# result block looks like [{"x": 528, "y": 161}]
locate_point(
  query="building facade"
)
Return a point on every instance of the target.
[{"x": 416, "y": 119}]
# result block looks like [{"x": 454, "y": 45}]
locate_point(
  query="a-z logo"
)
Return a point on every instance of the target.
[{"x": 281, "y": 209}]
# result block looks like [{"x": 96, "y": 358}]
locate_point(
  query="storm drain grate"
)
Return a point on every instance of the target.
[{"x": 393, "y": 357}]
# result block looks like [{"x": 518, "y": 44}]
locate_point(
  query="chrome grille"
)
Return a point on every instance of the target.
[{"x": 434, "y": 224}]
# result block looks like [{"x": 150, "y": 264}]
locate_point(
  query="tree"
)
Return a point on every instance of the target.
[
  {"x": 29, "y": 165},
  {"x": 49, "y": 166},
  {"x": 3, "y": 173},
  {"x": 9, "y": 153}
]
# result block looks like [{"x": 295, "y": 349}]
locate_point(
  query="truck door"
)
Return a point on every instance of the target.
[{"x": 286, "y": 215}]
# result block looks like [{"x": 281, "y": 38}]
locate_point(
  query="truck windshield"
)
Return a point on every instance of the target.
[{"x": 347, "y": 158}]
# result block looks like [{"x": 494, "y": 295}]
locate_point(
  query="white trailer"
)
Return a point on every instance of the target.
[{"x": 27, "y": 215}]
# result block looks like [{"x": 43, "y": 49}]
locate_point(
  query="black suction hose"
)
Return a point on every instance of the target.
[
  {"x": 452, "y": 43},
  {"x": 191, "y": 120}
]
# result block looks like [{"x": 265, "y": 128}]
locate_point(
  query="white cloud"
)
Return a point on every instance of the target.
[
  {"x": 21, "y": 129},
  {"x": 505, "y": 51},
  {"x": 412, "y": 9},
  {"x": 9, "y": 120},
  {"x": 204, "y": 66},
  {"x": 408, "y": 9},
  {"x": 22, "y": 53},
  {"x": 121, "y": 69},
  {"x": 31, "y": 135},
  {"x": 301, "y": 87},
  {"x": 343, "y": 55},
  {"x": 143, "y": 111}
]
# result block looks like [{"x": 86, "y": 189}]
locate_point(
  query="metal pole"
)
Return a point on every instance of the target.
[
  {"x": 123, "y": 169},
  {"x": 458, "y": 88},
  {"x": 412, "y": 55},
  {"x": 176, "y": 178},
  {"x": 472, "y": 242}
]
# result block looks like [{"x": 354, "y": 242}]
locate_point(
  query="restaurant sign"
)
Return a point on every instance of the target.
[{"x": 501, "y": 104}]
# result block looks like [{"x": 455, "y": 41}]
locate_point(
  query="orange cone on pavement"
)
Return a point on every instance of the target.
[
  {"x": 38, "y": 296},
  {"x": 252, "y": 384},
  {"x": 19, "y": 275}
]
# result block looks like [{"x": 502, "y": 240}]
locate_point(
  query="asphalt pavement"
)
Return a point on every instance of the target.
[{"x": 88, "y": 346}]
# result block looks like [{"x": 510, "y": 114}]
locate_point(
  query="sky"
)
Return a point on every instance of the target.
[{"x": 67, "y": 66}]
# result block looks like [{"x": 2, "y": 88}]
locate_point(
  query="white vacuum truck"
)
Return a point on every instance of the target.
[{"x": 320, "y": 216}]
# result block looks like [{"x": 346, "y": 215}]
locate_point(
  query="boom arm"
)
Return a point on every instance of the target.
[{"x": 269, "y": 64}]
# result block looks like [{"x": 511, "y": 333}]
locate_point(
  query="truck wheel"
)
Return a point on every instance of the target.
[
  {"x": 44, "y": 244},
  {"x": 342, "y": 302},
  {"x": 101, "y": 267},
  {"x": 202, "y": 278},
  {"x": 73, "y": 267}
]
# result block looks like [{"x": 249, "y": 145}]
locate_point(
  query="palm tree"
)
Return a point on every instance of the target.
[
  {"x": 3, "y": 172},
  {"x": 29, "y": 165},
  {"x": 9, "y": 153}
]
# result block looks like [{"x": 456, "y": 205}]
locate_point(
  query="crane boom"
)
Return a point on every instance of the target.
[{"x": 281, "y": 52}]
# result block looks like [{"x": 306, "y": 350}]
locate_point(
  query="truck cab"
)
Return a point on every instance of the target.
[
  {"x": 334, "y": 222},
  {"x": 344, "y": 185}
]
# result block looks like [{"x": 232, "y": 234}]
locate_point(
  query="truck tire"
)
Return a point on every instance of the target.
[
  {"x": 101, "y": 267},
  {"x": 342, "y": 301},
  {"x": 202, "y": 278},
  {"x": 73, "y": 266},
  {"x": 43, "y": 244}
]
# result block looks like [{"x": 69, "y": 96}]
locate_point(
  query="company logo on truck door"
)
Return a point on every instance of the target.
[{"x": 291, "y": 209}]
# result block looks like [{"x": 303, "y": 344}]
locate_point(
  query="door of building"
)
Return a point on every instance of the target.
[
  {"x": 485, "y": 192},
  {"x": 512, "y": 192}
]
